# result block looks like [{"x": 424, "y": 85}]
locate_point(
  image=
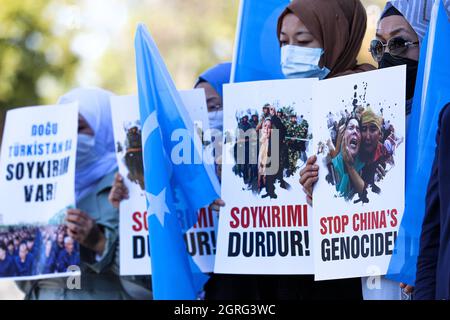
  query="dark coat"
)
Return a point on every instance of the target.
[{"x": 433, "y": 265}]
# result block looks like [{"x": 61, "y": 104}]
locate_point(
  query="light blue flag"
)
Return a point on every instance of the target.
[
  {"x": 431, "y": 95},
  {"x": 175, "y": 191},
  {"x": 257, "y": 50}
]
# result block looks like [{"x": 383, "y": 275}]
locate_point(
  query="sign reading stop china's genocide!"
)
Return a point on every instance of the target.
[
  {"x": 265, "y": 227},
  {"x": 134, "y": 244},
  {"x": 37, "y": 185},
  {"x": 359, "y": 132}
]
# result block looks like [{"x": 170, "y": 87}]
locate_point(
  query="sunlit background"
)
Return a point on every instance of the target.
[{"x": 50, "y": 46}]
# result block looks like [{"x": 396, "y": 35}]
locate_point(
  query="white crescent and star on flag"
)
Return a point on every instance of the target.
[{"x": 157, "y": 204}]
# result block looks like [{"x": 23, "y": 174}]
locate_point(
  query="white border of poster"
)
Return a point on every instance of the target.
[
  {"x": 134, "y": 244},
  {"x": 355, "y": 227},
  {"x": 265, "y": 227},
  {"x": 37, "y": 185}
]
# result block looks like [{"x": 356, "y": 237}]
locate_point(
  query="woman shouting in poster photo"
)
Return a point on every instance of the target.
[{"x": 399, "y": 35}]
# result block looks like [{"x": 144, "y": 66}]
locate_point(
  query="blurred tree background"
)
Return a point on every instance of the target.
[
  {"x": 33, "y": 53},
  {"x": 50, "y": 46}
]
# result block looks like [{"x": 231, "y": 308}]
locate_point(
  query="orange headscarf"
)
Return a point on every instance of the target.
[{"x": 339, "y": 26}]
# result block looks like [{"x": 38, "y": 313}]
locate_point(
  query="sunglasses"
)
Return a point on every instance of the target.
[{"x": 397, "y": 47}]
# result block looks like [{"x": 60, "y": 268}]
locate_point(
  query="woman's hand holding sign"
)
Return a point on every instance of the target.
[
  {"x": 407, "y": 288},
  {"x": 82, "y": 228},
  {"x": 309, "y": 175},
  {"x": 118, "y": 192},
  {"x": 217, "y": 204}
]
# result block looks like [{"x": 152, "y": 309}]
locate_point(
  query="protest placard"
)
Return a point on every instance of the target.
[
  {"x": 134, "y": 245},
  {"x": 265, "y": 227},
  {"x": 37, "y": 185},
  {"x": 359, "y": 132}
]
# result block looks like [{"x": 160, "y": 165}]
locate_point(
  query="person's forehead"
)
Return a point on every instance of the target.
[
  {"x": 370, "y": 124},
  {"x": 209, "y": 89},
  {"x": 292, "y": 24},
  {"x": 394, "y": 26}
]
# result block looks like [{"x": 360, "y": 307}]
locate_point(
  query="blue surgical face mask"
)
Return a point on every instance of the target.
[
  {"x": 301, "y": 62},
  {"x": 85, "y": 150},
  {"x": 216, "y": 120}
]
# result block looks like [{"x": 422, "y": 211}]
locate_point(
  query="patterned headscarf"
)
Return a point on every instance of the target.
[{"x": 416, "y": 12}]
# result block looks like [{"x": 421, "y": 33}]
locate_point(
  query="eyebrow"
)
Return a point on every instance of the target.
[
  {"x": 213, "y": 100},
  {"x": 393, "y": 32},
  {"x": 298, "y": 33}
]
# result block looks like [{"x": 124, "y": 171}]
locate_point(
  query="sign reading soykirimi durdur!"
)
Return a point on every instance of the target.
[
  {"x": 134, "y": 245},
  {"x": 37, "y": 185},
  {"x": 359, "y": 132},
  {"x": 265, "y": 227}
]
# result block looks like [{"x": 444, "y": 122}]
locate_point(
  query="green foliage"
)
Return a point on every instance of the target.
[
  {"x": 32, "y": 54},
  {"x": 191, "y": 36}
]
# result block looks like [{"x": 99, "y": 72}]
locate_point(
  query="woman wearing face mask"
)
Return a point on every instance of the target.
[
  {"x": 400, "y": 31},
  {"x": 321, "y": 39},
  {"x": 94, "y": 222},
  {"x": 221, "y": 286},
  {"x": 398, "y": 40},
  {"x": 212, "y": 81}
]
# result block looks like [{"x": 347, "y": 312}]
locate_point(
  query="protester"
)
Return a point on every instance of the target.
[
  {"x": 94, "y": 223},
  {"x": 321, "y": 39},
  {"x": 211, "y": 81},
  {"x": 433, "y": 269},
  {"x": 401, "y": 34},
  {"x": 222, "y": 286},
  {"x": 401, "y": 29}
]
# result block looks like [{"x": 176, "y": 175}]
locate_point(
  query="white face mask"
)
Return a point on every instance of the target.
[
  {"x": 301, "y": 62},
  {"x": 85, "y": 150},
  {"x": 216, "y": 120}
]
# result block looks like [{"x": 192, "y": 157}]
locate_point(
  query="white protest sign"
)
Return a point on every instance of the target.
[
  {"x": 134, "y": 244},
  {"x": 359, "y": 131},
  {"x": 37, "y": 185},
  {"x": 265, "y": 227}
]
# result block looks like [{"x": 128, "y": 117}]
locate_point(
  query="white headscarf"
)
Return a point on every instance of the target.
[{"x": 94, "y": 106}]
